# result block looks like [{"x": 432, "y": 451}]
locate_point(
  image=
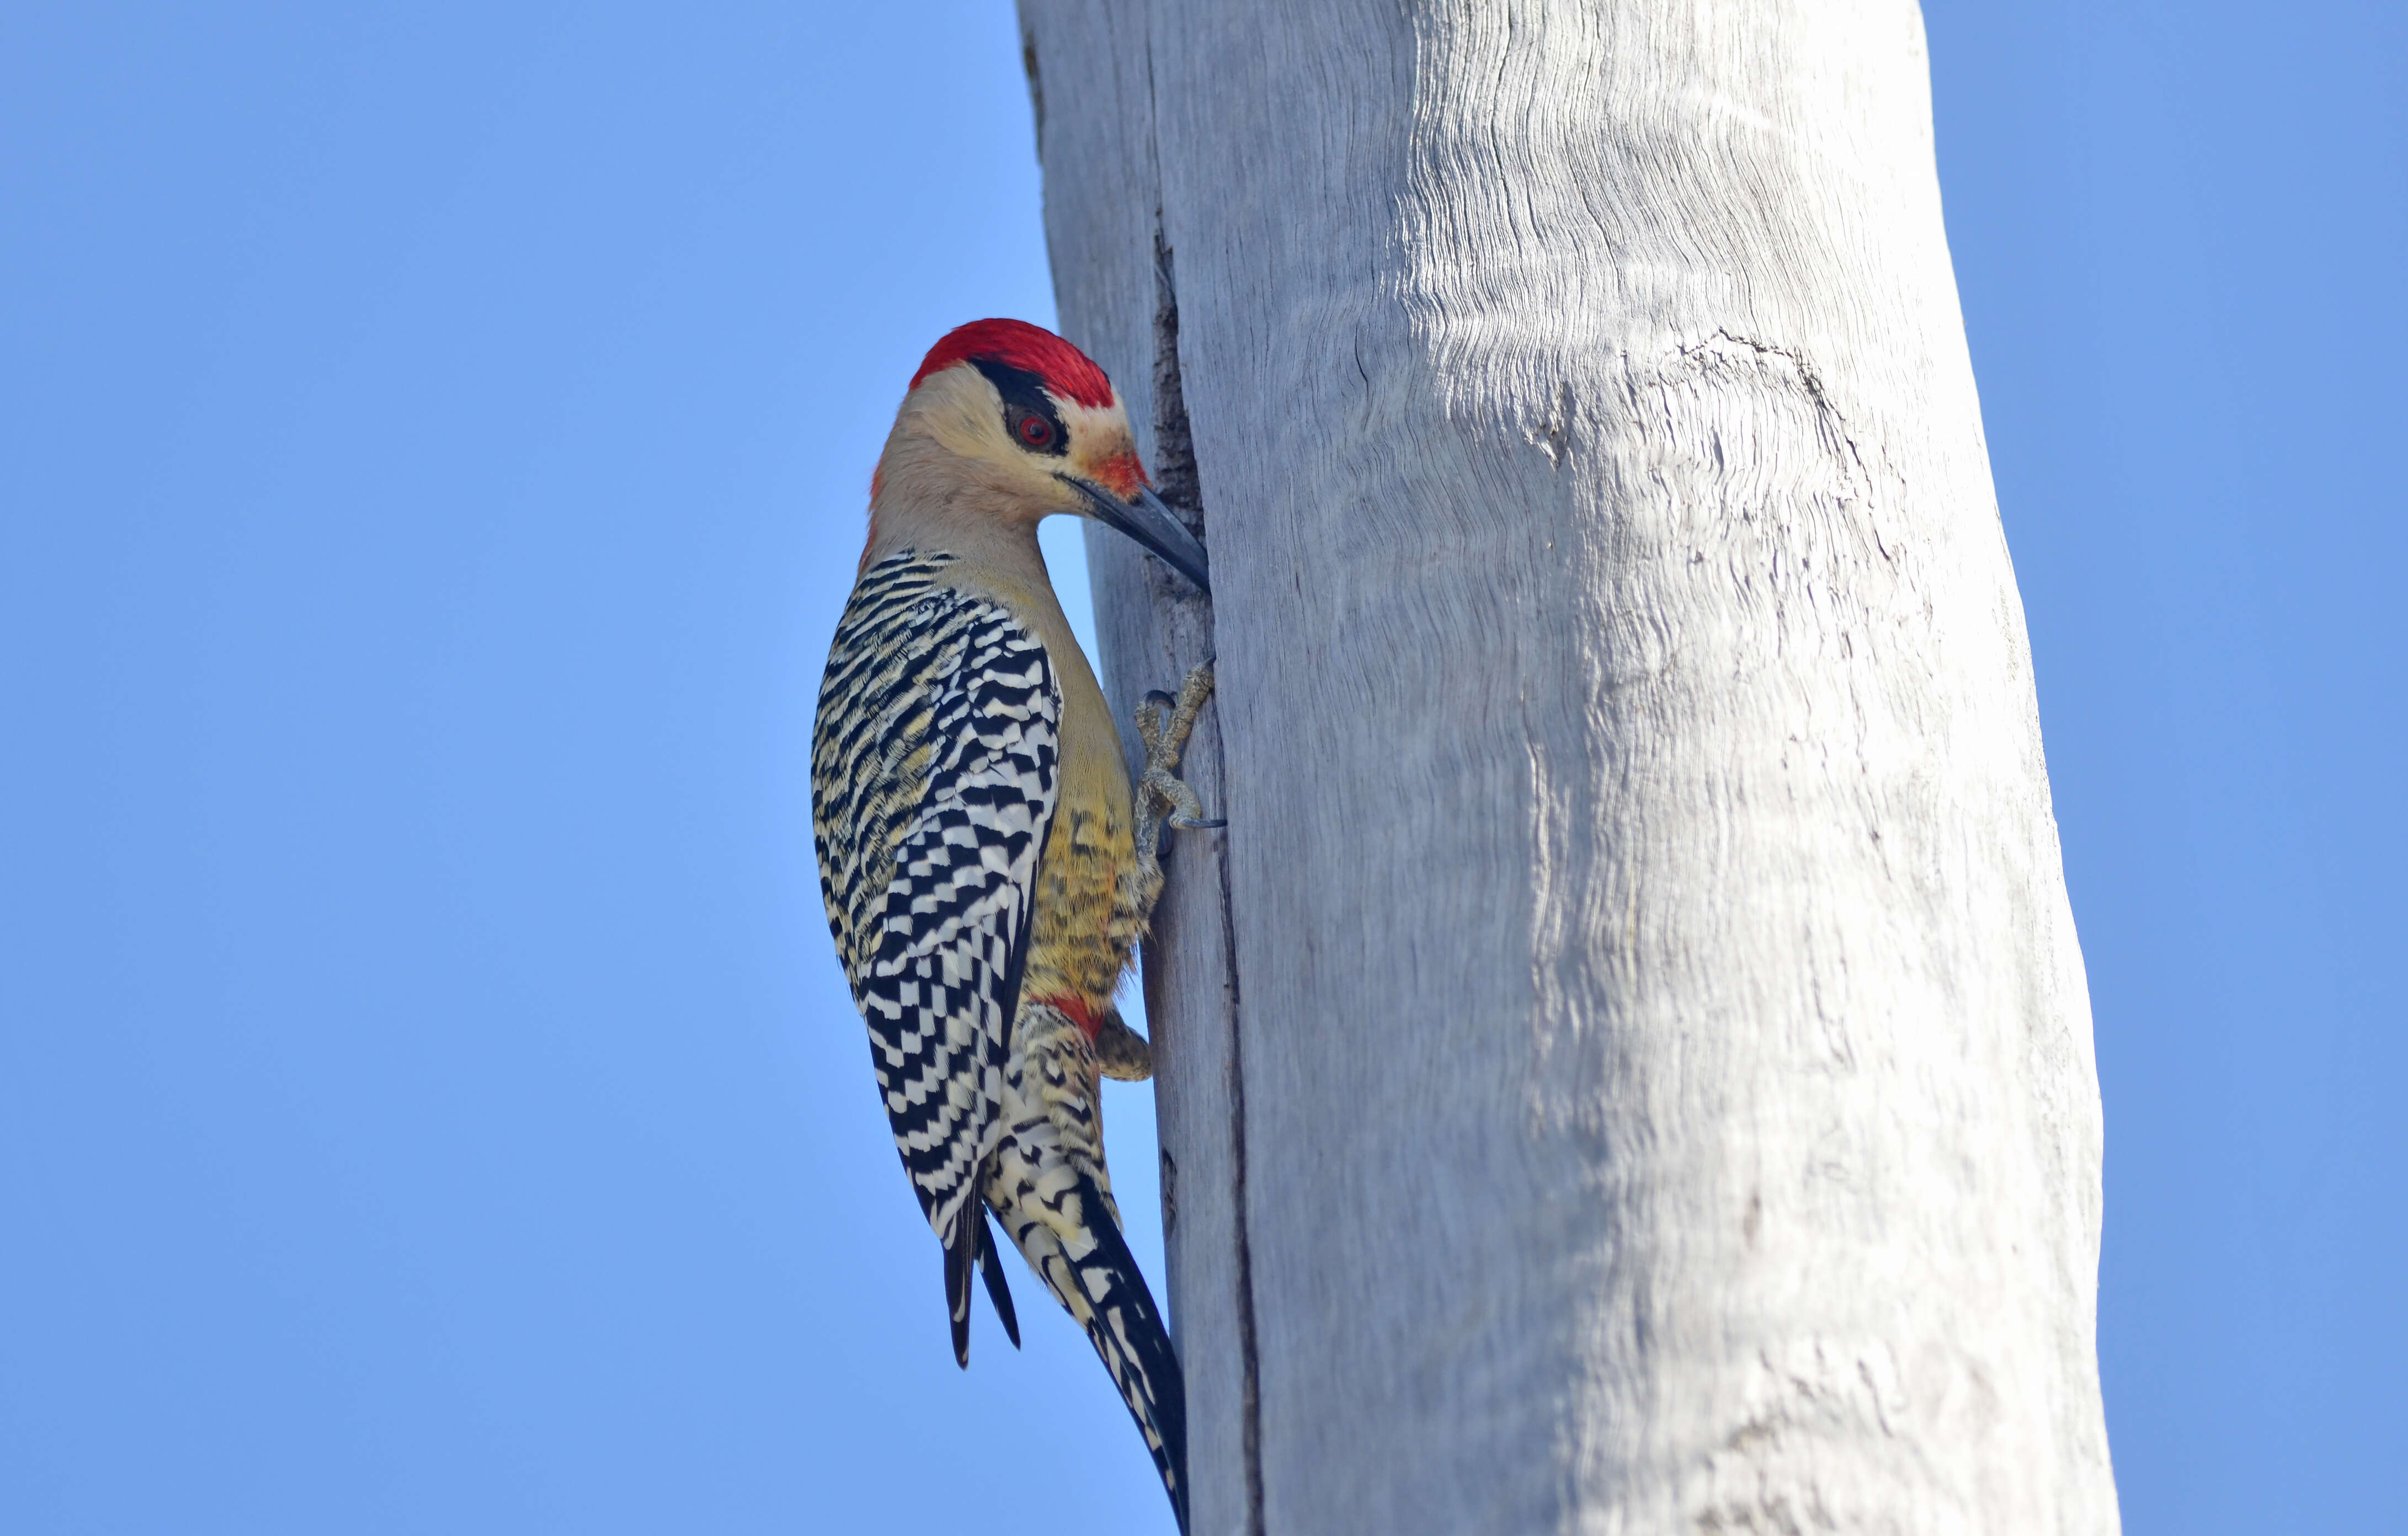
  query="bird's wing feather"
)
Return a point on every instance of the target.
[{"x": 937, "y": 764}]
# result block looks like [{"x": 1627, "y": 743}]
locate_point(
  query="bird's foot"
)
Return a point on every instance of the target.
[
  {"x": 1162, "y": 796},
  {"x": 1121, "y": 1051}
]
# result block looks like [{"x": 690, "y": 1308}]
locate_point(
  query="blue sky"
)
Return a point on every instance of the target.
[{"x": 433, "y": 442}]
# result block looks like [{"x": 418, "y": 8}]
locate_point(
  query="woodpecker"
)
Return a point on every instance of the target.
[{"x": 987, "y": 866}]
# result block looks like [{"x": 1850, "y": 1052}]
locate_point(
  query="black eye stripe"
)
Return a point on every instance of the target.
[{"x": 1026, "y": 403}]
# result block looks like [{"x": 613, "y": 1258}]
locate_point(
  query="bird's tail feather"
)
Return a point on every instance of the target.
[
  {"x": 969, "y": 1242},
  {"x": 965, "y": 1235},
  {"x": 991, "y": 1270},
  {"x": 1128, "y": 1331}
]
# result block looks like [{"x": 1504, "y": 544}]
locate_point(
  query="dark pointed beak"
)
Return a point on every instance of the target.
[{"x": 1152, "y": 524}]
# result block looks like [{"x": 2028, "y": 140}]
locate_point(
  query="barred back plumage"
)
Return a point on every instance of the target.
[{"x": 934, "y": 773}]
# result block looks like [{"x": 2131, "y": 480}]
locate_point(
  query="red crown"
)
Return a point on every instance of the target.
[{"x": 1069, "y": 372}]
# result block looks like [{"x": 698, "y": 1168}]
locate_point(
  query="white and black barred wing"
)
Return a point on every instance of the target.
[{"x": 935, "y": 766}]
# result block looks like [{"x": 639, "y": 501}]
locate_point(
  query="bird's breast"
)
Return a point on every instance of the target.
[{"x": 1074, "y": 949}]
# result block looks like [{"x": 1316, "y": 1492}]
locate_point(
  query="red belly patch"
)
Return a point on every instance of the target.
[{"x": 1079, "y": 1012}]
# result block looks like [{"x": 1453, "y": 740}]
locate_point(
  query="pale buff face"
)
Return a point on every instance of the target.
[{"x": 952, "y": 445}]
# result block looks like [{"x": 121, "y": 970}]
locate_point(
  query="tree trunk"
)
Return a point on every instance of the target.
[{"x": 1626, "y": 1066}]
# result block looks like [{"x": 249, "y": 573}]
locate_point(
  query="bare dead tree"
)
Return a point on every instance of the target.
[{"x": 1626, "y": 1066}]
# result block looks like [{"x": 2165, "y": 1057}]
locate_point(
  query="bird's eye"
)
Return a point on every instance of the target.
[{"x": 1034, "y": 430}]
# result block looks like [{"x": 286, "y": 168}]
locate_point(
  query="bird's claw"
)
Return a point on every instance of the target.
[
  {"x": 1159, "y": 788},
  {"x": 1121, "y": 1051}
]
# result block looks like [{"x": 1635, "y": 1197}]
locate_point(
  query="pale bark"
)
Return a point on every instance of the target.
[{"x": 1627, "y": 1064}]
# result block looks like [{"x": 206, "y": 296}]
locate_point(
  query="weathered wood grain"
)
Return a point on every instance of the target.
[{"x": 1627, "y": 1062}]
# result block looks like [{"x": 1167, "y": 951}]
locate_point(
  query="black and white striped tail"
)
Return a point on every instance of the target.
[
  {"x": 1062, "y": 1223},
  {"x": 1127, "y": 1332}
]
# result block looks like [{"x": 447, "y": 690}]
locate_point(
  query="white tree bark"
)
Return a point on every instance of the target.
[{"x": 1627, "y": 1064}]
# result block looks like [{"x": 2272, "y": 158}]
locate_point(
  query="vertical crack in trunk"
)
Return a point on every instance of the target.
[
  {"x": 1182, "y": 489},
  {"x": 1036, "y": 83},
  {"x": 1251, "y": 1403},
  {"x": 1174, "y": 447}
]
